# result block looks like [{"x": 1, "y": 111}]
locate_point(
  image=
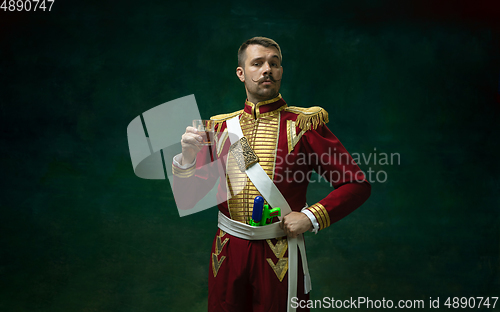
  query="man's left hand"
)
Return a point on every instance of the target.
[{"x": 295, "y": 223}]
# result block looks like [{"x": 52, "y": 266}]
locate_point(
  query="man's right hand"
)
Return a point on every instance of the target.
[{"x": 190, "y": 145}]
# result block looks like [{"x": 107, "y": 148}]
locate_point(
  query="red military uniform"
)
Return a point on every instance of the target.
[{"x": 290, "y": 142}]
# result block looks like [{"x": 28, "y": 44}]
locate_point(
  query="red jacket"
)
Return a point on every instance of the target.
[{"x": 290, "y": 142}]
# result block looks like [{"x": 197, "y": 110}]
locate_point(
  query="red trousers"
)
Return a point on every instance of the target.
[{"x": 250, "y": 276}]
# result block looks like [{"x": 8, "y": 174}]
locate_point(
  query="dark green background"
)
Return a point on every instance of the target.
[{"x": 80, "y": 232}]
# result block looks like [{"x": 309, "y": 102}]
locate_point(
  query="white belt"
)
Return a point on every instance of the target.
[
  {"x": 245, "y": 231},
  {"x": 249, "y": 232}
]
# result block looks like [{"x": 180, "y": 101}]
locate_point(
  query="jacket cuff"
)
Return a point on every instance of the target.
[
  {"x": 313, "y": 219},
  {"x": 321, "y": 214},
  {"x": 182, "y": 171}
]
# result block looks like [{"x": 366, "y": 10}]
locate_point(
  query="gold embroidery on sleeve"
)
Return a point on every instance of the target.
[
  {"x": 183, "y": 173},
  {"x": 321, "y": 215}
]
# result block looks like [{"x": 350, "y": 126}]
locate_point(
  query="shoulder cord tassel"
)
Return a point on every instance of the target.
[{"x": 311, "y": 121}]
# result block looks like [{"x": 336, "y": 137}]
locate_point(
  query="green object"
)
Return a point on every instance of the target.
[{"x": 267, "y": 216}]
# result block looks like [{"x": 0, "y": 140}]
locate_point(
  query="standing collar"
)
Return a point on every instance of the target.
[{"x": 265, "y": 108}]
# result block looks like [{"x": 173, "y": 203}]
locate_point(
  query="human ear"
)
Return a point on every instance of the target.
[{"x": 240, "y": 73}]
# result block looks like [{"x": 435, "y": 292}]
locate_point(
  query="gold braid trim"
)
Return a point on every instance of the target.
[
  {"x": 309, "y": 118},
  {"x": 219, "y": 119},
  {"x": 183, "y": 173},
  {"x": 321, "y": 215}
]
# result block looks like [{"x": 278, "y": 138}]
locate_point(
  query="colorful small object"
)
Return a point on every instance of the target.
[{"x": 262, "y": 214}]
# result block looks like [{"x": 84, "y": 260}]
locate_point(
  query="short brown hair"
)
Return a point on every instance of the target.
[{"x": 263, "y": 41}]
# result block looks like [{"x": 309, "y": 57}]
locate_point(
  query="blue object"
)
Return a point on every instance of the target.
[
  {"x": 258, "y": 205},
  {"x": 262, "y": 214}
]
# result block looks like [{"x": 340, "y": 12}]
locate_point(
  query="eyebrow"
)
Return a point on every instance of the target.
[{"x": 261, "y": 57}]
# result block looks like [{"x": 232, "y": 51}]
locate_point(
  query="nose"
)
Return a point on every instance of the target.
[{"x": 266, "y": 69}]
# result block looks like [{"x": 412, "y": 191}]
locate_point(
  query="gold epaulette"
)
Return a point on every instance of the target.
[
  {"x": 219, "y": 119},
  {"x": 309, "y": 118}
]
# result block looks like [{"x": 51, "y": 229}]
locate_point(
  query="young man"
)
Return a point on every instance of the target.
[{"x": 265, "y": 268}]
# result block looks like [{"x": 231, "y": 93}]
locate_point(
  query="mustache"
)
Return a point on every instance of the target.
[{"x": 267, "y": 77}]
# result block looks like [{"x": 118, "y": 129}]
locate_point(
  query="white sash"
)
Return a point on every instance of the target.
[{"x": 270, "y": 192}]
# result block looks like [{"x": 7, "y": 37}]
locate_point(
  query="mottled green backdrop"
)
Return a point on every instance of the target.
[{"x": 80, "y": 232}]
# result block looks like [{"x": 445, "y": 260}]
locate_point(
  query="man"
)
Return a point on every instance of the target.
[{"x": 289, "y": 142}]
